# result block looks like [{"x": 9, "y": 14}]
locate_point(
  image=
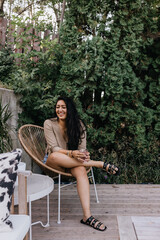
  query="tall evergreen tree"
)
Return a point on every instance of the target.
[{"x": 110, "y": 64}]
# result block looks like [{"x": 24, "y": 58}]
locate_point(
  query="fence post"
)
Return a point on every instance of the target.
[
  {"x": 36, "y": 43},
  {"x": 29, "y": 37},
  {"x": 19, "y": 50},
  {"x": 10, "y": 38},
  {"x": 54, "y": 34},
  {"x": 46, "y": 34},
  {"x": 3, "y": 27}
]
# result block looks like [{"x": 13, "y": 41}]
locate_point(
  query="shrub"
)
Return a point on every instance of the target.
[
  {"x": 6, "y": 66},
  {"x": 5, "y": 139}
]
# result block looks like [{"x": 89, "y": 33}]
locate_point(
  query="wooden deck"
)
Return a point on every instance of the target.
[{"x": 116, "y": 202}]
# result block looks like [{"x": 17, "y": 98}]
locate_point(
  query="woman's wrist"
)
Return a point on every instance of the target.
[{"x": 70, "y": 153}]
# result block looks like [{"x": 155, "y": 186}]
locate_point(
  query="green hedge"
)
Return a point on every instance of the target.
[{"x": 108, "y": 60}]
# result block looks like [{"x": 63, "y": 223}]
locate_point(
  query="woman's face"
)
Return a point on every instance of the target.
[{"x": 61, "y": 110}]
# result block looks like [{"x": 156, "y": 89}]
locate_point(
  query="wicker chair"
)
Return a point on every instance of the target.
[{"x": 33, "y": 141}]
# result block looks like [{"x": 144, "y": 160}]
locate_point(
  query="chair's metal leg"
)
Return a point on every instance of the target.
[
  {"x": 59, "y": 198},
  {"x": 30, "y": 214},
  {"x": 40, "y": 222},
  {"x": 95, "y": 189},
  {"x": 59, "y": 194},
  {"x": 48, "y": 210}
]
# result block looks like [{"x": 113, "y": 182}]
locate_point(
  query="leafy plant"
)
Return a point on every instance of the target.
[
  {"x": 6, "y": 65},
  {"x": 5, "y": 139},
  {"x": 111, "y": 68}
]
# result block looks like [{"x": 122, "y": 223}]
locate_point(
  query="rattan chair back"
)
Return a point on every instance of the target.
[{"x": 33, "y": 141}]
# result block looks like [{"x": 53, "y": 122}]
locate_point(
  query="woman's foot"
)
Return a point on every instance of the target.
[
  {"x": 93, "y": 222},
  {"x": 111, "y": 168}
]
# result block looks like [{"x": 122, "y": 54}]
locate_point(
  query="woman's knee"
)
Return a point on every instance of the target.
[
  {"x": 51, "y": 158},
  {"x": 79, "y": 171}
]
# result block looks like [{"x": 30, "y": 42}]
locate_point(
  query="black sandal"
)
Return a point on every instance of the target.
[
  {"x": 91, "y": 221},
  {"x": 112, "y": 169}
]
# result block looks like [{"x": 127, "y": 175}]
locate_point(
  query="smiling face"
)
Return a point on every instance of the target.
[{"x": 61, "y": 110}]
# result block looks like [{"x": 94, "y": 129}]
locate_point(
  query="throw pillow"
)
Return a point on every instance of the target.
[{"x": 8, "y": 175}]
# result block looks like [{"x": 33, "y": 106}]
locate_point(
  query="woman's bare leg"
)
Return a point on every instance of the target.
[
  {"x": 63, "y": 161},
  {"x": 78, "y": 170},
  {"x": 83, "y": 191}
]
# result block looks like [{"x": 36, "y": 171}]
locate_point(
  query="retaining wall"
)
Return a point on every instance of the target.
[{"x": 8, "y": 97}]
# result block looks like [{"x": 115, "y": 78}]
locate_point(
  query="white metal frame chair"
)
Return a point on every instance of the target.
[{"x": 38, "y": 186}]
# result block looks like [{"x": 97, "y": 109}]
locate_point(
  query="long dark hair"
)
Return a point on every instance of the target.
[{"x": 75, "y": 128}]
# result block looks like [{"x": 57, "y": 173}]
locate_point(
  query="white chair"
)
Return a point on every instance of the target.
[
  {"x": 21, "y": 221},
  {"x": 38, "y": 186}
]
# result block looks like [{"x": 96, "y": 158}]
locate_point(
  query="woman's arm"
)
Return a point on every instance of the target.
[
  {"x": 50, "y": 137},
  {"x": 53, "y": 145},
  {"x": 76, "y": 154}
]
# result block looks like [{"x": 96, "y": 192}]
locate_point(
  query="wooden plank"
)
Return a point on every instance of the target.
[
  {"x": 148, "y": 219},
  {"x": 12, "y": 205},
  {"x": 147, "y": 227},
  {"x": 10, "y": 38},
  {"x": 148, "y": 238},
  {"x": 3, "y": 29},
  {"x": 126, "y": 230},
  {"x": 22, "y": 198},
  {"x": 124, "y": 200}
]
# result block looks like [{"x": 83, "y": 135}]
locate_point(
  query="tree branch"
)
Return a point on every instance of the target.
[
  {"x": 62, "y": 17},
  {"x": 62, "y": 14},
  {"x": 1, "y": 7},
  {"x": 22, "y": 11}
]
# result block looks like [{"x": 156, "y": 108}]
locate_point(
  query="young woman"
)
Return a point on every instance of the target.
[{"x": 66, "y": 137}]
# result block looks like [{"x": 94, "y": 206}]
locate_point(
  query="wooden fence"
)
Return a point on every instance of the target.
[{"x": 32, "y": 41}]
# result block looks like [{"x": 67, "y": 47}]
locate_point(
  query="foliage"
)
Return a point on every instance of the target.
[
  {"x": 111, "y": 68},
  {"x": 6, "y": 65},
  {"x": 5, "y": 139},
  {"x": 35, "y": 71},
  {"x": 108, "y": 61}
]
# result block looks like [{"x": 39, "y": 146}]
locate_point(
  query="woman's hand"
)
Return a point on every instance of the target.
[
  {"x": 81, "y": 156},
  {"x": 87, "y": 156}
]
